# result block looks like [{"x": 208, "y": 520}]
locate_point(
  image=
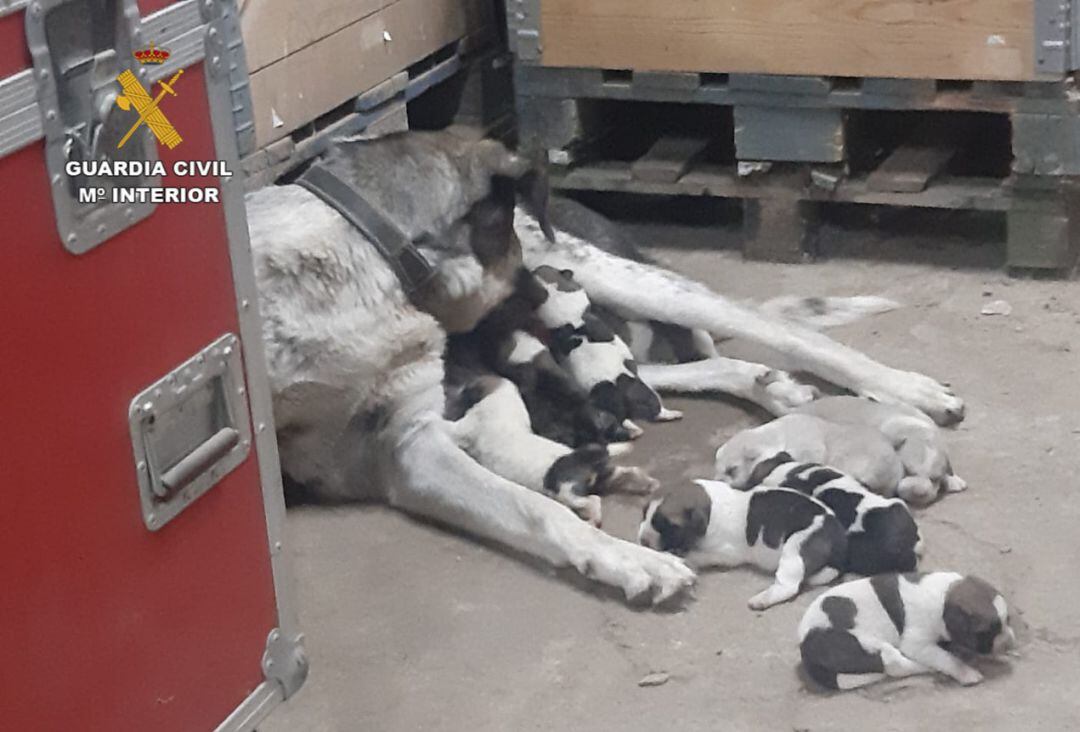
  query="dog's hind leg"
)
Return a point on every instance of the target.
[
  {"x": 773, "y": 390},
  {"x": 432, "y": 477},
  {"x": 647, "y": 292}
]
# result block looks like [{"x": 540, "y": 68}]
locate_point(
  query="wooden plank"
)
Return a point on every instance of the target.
[
  {"x": 957, "y": 39},
  {"x": 305, "y": 85},
  {"x": 789, "y": 134},
  {"x": 668, "y": 159},
  {"x": 274, "y": 29},
  {"x": 910, "y": 168}
]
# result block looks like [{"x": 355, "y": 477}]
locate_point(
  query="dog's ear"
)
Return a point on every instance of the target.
[
  {"x": 697, "y": 520},
  {"x": 529, "y": 174}
]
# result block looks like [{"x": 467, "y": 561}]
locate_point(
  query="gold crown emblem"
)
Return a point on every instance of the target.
[{"x": 152, "y": 55}]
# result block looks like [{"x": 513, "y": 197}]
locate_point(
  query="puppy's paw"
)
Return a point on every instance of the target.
[
  {"x": 634, "y": 481},
  {"x": 779, "y": 393},
  {"x": 925, "y": 394},
  {"x": 955, "y": 484},
  {"x": 632, "y": 430},
  {"x": 668, "y": 415},
  {"x": 917, "y": 490},
  {"x": 968, "y": 676},
  {"x": 591, "y": 510}
]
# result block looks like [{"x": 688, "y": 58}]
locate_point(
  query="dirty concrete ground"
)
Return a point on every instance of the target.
[{"x": 413, "y": 628}]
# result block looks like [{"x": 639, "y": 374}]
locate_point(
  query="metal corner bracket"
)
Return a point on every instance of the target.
[{"x": 285, "y": 661}]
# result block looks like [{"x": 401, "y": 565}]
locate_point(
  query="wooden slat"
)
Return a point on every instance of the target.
[
  {"x": 305, "y": 85},
  {"x": 668, "y": 159},
  {"x": 910, "y": 168},
  {"x": 274, "y": 29},
  {"x": 950, "y": 39}
]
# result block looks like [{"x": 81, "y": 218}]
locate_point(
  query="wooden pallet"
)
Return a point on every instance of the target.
[{"x": 803, "y": 127}]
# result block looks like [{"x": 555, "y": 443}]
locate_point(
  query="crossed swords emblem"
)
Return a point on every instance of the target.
[{"x": 135, "y": 95}]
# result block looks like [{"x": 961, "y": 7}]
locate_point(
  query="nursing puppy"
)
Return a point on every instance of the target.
[
  {"x": 881, "y": 532},
  {"x": 713, "y": 525},
  {"x": 918, "y": 442},
  {"x": 495, "y": 431},
  {"x": 510, "y": 341},
  {"x": 597, "y": 358},
  {"x": 862, "y": 453},
  {"x": 893, "y": 624}
]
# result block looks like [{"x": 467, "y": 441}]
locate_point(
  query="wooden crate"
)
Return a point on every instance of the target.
[
  {"x": 914, "y": 39},
  {"x": 306, "y": 58}
]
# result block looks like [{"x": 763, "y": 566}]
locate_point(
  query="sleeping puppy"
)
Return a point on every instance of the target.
[
  {"x": 894, "y": 624},
  {"x": 597, "y": 358},
  {"x": 713, "y": 525},
  {"x": 918, "y": 441},
  {"x": 881, "y": 532},
  {"x": 495, "y": 431},
  {"x": 510, "y": 341},
  {"x": 862, "y": 453}
]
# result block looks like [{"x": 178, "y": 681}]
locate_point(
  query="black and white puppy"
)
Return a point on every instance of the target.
[
  {"x": 711, "y": 524},
  {"x": 893, "y": 625},
  {"x": 861, "y": 452},
  {"x": 916, "y": 438},
  {"x": 496, "y": 432},
  {"x": 882, "y": 534},
  {"x": 597, "y": 358},
  {"x": 511, "y": 342}
]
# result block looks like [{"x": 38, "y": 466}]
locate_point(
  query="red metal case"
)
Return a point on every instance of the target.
[{"x": 141, "y": 551}]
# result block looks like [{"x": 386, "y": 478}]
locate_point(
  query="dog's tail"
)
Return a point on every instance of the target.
[{"x": 826, "y": 312}]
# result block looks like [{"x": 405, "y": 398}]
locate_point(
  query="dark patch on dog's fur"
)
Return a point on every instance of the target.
[
  {"x": 774, "y": 515},
  {"x": 841, "y": 611},
  {"x": 887, "y": 589},
  {"x": 827, "y": 652},
  {"x": 641, "y": 401},
  {"x": 970, "y": 617},
  {"x": 585, "y": 469},
  {"x": 682, "y": 517},
  {"x": 844, "y": 504},
  {"x": 562, "y": 279},
  {"x": 818, "y": 476},
  {"x": 765, "y": 467},
  {"x": 826, "y": 547},
  {"x": 886, "y": 543},
  {"x": 596, "y": 330}
]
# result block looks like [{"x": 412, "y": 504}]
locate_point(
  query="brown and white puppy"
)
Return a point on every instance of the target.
[
  {"x": 893, "y": 625},
  {"x": 917, "y": 440},
  {"x": 713, "y": 525},
  {"x": 861, "y": 452},
  {"x": 495, "y": 431}
]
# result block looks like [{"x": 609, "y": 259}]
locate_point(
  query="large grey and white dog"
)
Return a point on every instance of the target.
[{"x": 356, "y": 366}]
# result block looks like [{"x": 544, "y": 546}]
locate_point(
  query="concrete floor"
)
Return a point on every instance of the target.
[{"x": 412, "y": 628}]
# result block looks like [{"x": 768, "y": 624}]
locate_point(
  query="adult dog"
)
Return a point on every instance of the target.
[{"x": 356, "y": 366}]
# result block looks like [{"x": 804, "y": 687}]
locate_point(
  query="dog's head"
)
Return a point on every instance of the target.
[
  {"x": 455, "y": 197},
  {"x": 676, "y": 520},
  {"x": 977, "y": 617}
]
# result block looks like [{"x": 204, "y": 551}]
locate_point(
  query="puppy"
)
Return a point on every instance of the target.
[
  {"x": 713, "y": 525},
  {"x": 495, "y": 431},
  {"x": 862, "y": 453},
  {"x": 917, "y": 440},
  {"x": 881, "y": 532},
  {"x": 510, "y": 341},
  {"x": 597, "y": 358},
  {"x": 893, "y": 624}
]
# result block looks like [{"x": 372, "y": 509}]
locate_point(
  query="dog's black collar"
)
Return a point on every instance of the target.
[{"x": 397, "y": 248}]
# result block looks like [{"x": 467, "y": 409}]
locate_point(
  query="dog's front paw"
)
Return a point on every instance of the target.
[
  {"x": 779, "y": 393},
  {"x": 641, "y": 573},
  {"x": 968, "y": 676},
  {"x": 926, "y": 394},
  {"x": 634, "y": 481}
]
